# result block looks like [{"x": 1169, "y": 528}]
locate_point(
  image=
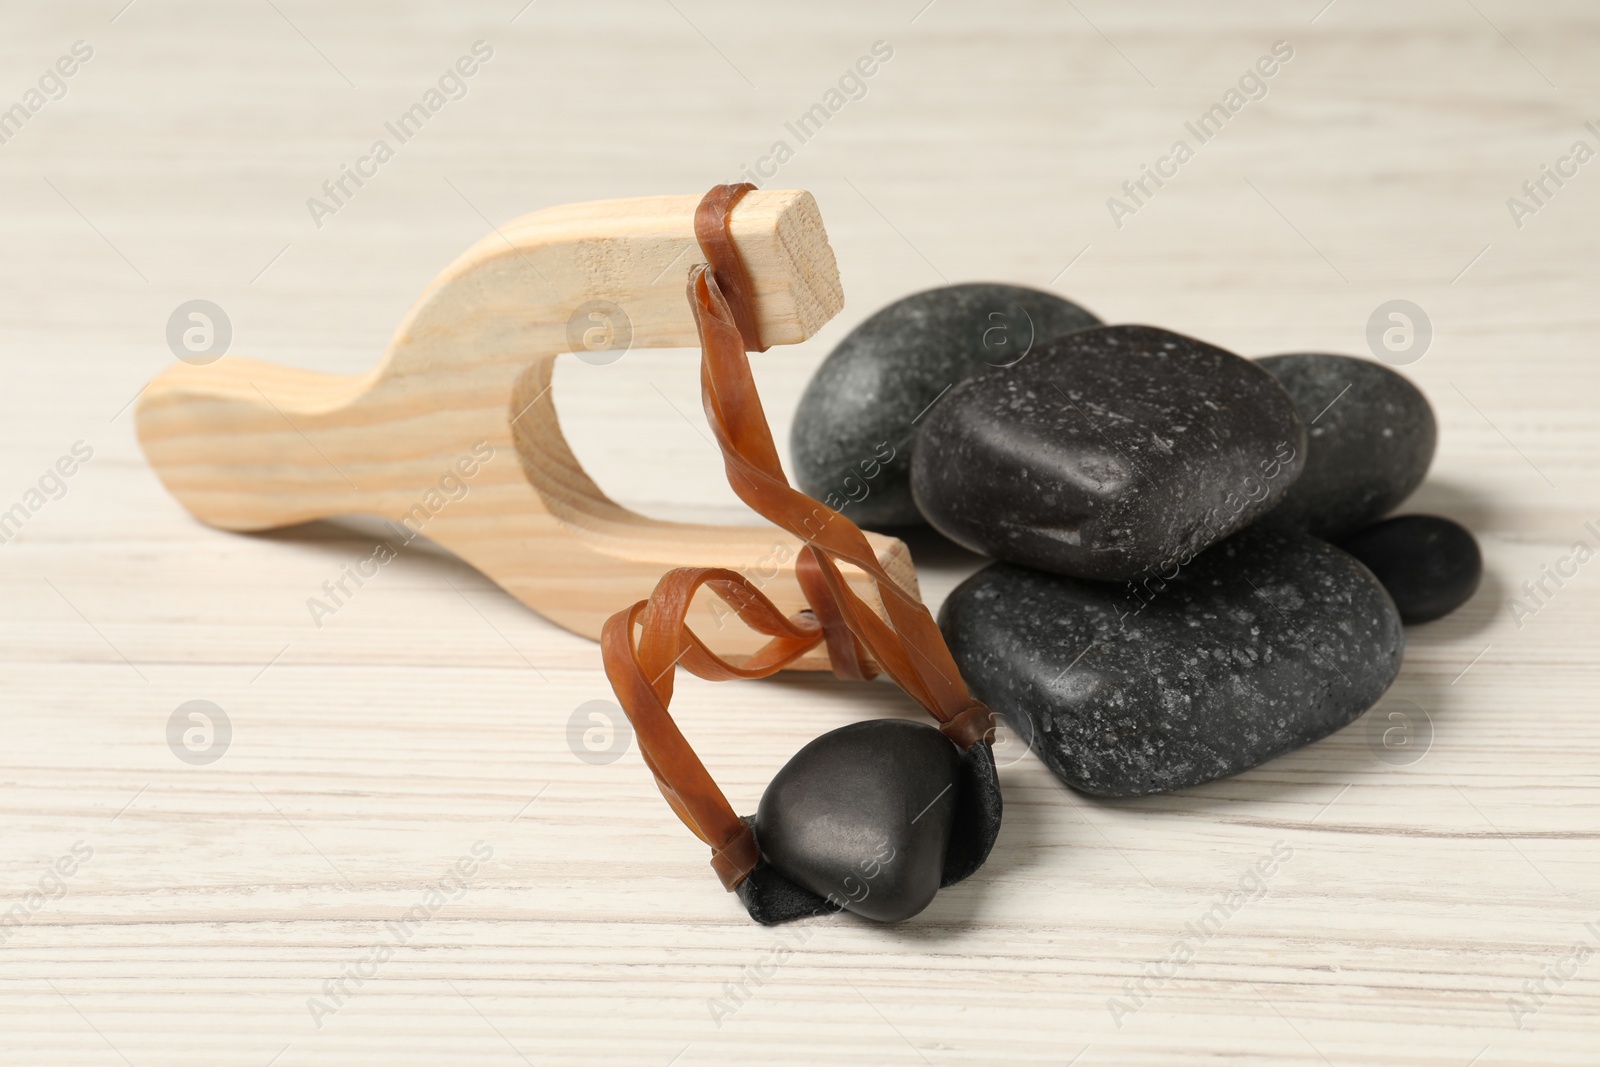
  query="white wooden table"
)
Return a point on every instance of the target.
[{"x": 1431, "y": 913}]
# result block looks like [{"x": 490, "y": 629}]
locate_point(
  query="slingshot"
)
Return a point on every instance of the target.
[{"x": 470, "y": 368}]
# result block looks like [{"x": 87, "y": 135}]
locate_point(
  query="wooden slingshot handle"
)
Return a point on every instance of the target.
[{"x": 454, "y": 434}]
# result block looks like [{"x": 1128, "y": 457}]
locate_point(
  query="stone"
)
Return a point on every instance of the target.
[
  {"x": 857, "y": 425},
  {"x": 862, "y": 816},
  {"x": 1110, "y": 453},
  {"x": 1430, "y": 565},
  {"x": 1263, "y": 643},
  {"x": 772, "y": 898},
  {"x": 1371, "y": 439}
]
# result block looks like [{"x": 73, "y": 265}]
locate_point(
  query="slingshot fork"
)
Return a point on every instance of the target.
[{"x": 247, "y": 445}]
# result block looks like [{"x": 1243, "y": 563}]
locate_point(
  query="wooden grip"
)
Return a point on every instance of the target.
[{"x": 245, "y": 445}]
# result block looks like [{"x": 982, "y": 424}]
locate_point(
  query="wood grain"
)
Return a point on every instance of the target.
[{"x": 432, "y": 710}]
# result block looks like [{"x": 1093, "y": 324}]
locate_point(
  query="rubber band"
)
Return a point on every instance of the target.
[{"x": 905, "y": 643}]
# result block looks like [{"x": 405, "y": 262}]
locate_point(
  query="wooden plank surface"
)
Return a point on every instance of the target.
[{"x": 1442, "y": 912}]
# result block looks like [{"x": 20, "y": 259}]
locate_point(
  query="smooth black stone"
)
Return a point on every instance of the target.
[
  {"x": 770, "y": 898},
  {"x": 1111, "y": 452},
  {"x": 1430, "y": 566},
  {"x": 862, "y": 816},
  {"x": 856, "y": 428},
  {"x": 1264, "y": 643},
  {"x": 1371, "y": 440}
]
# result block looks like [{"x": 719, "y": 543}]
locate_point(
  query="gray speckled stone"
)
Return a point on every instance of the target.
[
  {"x": 1108, "y": 453},
  {"x": 854, "y": 432},
  {"x": 1370, "y": 445},
  {"x": 1266, "y": 642}
]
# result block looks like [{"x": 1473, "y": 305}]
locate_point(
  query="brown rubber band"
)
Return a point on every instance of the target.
[
  {"x": 906, "y": 645},
  {"x": 844, "y": 651}
]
